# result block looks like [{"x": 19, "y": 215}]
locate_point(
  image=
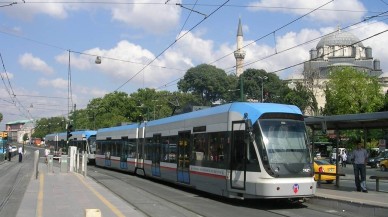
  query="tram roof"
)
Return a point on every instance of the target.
[
  {"x": 375, "y": 120},
  {"x": 254, "y": 110}
]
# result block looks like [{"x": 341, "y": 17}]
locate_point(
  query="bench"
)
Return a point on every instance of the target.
[
  {"x": 382, "y": 177},
  {"x": 328, "y": 174}
]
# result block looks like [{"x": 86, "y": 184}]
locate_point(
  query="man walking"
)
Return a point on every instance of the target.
[
  {"x": 360, "y": 158},
  {"x": 9, "y": 152},
  {"x": 20, "y": 150}
]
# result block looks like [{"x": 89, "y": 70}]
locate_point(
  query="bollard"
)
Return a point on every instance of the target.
[
  {"x": 50, "y": 163},
  {"x": 92, "y": 213},
  {"x": 63, "y": 163},
  {"x": 36, "y": 162}
]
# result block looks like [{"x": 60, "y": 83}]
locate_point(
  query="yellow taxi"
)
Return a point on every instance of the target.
[
  {"x": 324, "y": 166},
  {"x": 384, "y": 165}
]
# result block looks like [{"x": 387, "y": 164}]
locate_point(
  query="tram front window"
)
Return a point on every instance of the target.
[{"x": 284, "y": 147}]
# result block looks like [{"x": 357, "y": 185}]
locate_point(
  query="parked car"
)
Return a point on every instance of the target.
[
  {"x": 14, "y": 148},
  {"x": 384, "y": 165},
  {"x": 324, "y": 166},
  {"x": 375, "y": 161}
]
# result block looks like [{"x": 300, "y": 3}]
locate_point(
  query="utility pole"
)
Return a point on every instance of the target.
[{"x": 75, "y": 116}]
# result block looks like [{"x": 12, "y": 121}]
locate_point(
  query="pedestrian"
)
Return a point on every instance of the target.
[
  {"x": 20, "y": 150},
  {"x": 46, "y": 153},
  {"x": 360, "y": 158},
  {"x": 344, "y": 158},
  {"x": 9, "y": 152}
]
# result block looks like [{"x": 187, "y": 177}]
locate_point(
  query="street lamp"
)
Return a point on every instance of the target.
[{"x": 262, "y": 86}]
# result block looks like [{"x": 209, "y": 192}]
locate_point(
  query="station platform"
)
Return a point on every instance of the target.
[
  {"x": 59, "y": 194},
  {"x": 347, "y": 199},
  {"x": 71, "y": 194}
]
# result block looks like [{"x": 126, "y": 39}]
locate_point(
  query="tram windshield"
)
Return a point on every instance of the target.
[{"x": 284, "y": 147}]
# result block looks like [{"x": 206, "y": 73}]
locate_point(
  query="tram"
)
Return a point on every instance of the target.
[
  {"x": 84, "y": 140},
  {"x": 238, "y": 150}
]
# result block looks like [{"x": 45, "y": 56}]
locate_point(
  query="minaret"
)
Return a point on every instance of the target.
[{"x": 239, "y": 54}]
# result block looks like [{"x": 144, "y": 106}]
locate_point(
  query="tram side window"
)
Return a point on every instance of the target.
[
  {"x": 124, "y": 150},
  {"x": 216, "y": 146},
  {"x": 98, "y": 147},
  {"x": 132, "y": 148},
  {"x": 148, "y": 149},
  {"x": 200, "y": 150},
  {"x": 168, "y": 149}
]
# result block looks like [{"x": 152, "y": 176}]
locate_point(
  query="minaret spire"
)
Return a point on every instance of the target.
[{"x": 239, "y": 54}]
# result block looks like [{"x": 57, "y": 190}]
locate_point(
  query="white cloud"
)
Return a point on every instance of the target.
[
  {"x": 154, "y": 18},
  {"x": 379, "y": 51},
  {"x": 332, "y": 12},
  {"x": 7, "y": 75},
  {"x": 147, "y": 15},
  {"x": 26, "y": 11},
  {"x": 28, "y": 61},
  {"x": 58, "y": 83}
]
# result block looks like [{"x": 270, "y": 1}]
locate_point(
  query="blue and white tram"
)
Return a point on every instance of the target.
[
  {"x": 56, "y": 143},
  {"x": 238, "y": 150},
  {"x": 85, "y": 140}
]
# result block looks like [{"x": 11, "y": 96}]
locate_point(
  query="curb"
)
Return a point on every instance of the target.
[{"x": 353, "y": 206}]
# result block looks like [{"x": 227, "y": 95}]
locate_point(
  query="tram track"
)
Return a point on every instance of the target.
[
  {"x": 14, "y": 180},
  {"x": 176, "y": 201},
  {"x": 168, "y": 205}
]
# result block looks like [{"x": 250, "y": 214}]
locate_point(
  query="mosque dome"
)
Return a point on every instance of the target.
[{"x": 339, "y": 38}]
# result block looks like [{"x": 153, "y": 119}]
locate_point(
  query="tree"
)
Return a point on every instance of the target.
[
  {"x": 385, "y": 107},
  {"x": 274, "y": 89},
  {"x": 205, "y": 81},
  {"x": 350, "y": 92},
  {"x": 25, "y": 138},
  {"x": 302, "y": 97},
  {"x": 110, "y": 110},
  {"x": 46, "y": 126}
]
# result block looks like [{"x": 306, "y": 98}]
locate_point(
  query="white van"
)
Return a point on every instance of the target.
[{"x": 333, "y": 155}]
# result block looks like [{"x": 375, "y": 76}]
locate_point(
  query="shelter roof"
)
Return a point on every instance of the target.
[{"x": 376, "y": 120}]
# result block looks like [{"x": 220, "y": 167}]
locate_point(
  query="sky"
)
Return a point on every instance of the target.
[{"x": 48, "y": 48}]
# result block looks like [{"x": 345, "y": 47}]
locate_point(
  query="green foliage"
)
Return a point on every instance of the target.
[
  {"x": 385, "y": 107},
  {"x": 302, "y": 97},
  {"x": 25, "y": 137},
  {"x": 46, "y": 126},
  {"x": 350, "y": 92},
  {"x": 205, "y": 81}
]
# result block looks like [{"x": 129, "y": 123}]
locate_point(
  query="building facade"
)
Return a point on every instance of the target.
[
  {"x": 17, "y": 129},
  {"x": 338, "y": 49}
]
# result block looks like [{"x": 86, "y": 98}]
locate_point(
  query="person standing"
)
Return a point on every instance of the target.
[
  {"x": 344, "y": 158},
  {"x": 9, "y": 152},
  {"x": 20, "y": 150},
  {"x": 360, "y": 158}
]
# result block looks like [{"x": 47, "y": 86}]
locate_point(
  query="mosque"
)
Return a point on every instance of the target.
[{"x": 339, "y": 48}]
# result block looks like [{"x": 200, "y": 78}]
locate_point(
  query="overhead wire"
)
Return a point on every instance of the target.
[
  {"x": 272, "y": 32},
  {"x": 176, "y": 40},
  {"x": 276, "y": 51},
  {"x": 372, "y": 36},
  {"x": 11, "y": 93}
]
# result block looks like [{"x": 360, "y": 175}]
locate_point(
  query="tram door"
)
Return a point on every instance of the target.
[
  {"x": 140, "y": 148},
  {"x": 238, "y": 156},
  {"x": 156, "y": 152},
  {"x": 183, "y": 153}
]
